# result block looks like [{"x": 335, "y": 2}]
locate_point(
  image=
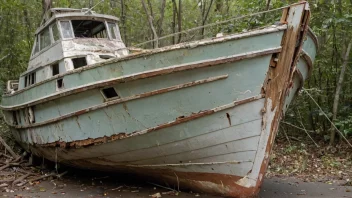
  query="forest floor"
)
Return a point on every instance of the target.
[{"x": 297, "y": 169}]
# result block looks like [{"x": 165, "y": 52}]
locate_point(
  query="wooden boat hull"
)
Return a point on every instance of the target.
[{"x": 201, "y": 115}]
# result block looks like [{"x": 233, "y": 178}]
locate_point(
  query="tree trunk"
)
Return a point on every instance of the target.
[
  {"x": 46, "y": 5},
  {"x": 162, "y": 13},
  {"x": 205, "y": 16},
  {"x": 179, "y": 20},
  {"x": 266, "y": 8},
  {"x": 174, "y": 13},
  {"x": 150, "y": 21},
  {"x": 337, "y": 93},
  {"x": 123, "y": 21}
]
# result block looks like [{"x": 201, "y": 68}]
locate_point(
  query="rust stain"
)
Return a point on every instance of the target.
[
  {"x": 278, "y": 82},
  {"x": 212, "y": 183}
]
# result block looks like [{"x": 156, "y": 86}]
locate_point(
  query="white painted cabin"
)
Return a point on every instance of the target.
[{"x": 69, "y": 39}]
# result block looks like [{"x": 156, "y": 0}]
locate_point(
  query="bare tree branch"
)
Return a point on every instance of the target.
[{"x": 150, "y": 20}]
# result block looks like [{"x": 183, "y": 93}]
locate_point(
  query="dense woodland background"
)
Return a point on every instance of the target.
[{"x": 141, "y": 20}]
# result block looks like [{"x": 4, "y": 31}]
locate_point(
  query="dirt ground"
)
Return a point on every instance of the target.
[{"x": 87, "y": 184}]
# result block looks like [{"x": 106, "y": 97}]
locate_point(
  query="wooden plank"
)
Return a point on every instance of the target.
[
  {"x": 217, "y": 142},
  {"x": 275, "y": 89},
  {"x": 242, "y": 145},
  {"x": 171, "y": 135}
]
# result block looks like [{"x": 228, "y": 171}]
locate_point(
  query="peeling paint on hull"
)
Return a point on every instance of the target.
[{"x": 200, "y": 121}]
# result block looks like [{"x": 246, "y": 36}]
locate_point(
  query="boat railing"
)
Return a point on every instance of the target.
[{"x": 244, "y": 23}]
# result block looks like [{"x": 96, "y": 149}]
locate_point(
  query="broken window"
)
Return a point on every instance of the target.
[
  {"x": 36, "y": 48},
  {"x": 79, "y": 62},
  {"x": 25, "y": 81},
  {"x": 32, "y": 78},
  {"x": 60, "y": 83},
  {"x": 56, "y": 33},
  {"x": 29, "y": 79},
  {"x": 55, "y": 69},
  {"x": 114, "y": 31},
  {"x": 89, "y": 29},
  {"x": 109, "y": 93},
  {"x": 66, "y": 29},
  {"x": 44, "y": 38}
]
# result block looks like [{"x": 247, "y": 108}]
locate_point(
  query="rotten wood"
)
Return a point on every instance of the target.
[
  {"x": 7, "y": 156},
  {"x": 8, "y": 148},
  {"x": 280, "y": 77},
  {"x": 20, "y": 179}
]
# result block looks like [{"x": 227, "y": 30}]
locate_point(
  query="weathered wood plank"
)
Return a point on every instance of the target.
[
  {"x": 174, "y": 134},
  {"x": 237, "y": 138}
]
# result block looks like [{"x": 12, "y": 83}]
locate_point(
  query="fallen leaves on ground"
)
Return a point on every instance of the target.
[{"x": 309, "y": 163}]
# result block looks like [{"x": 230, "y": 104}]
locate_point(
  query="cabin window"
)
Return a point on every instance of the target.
[
  {"x": 60, "y": 83},
  {"x": 114, "y": 32},
  {"x": 79, "y": 62},
  {"x": 25, "y": 81},
  {"x": 66, "y": 29},
  {"x": 56, "y": 33},
  {"x": 112, "y": 29},
  {"x": 103, "y": 56},
  {"x": 55, "y": 69},
  {"x": 44, "y": 38},
  {"x": 109, "y": 93},
  {"x": 29, "y": 79},
  {"x": 36, "y": 49},
  {"x": 32, "y": 78},
  {"x": 89, "y": 29}
]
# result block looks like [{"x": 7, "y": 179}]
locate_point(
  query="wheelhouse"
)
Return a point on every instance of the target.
[{"x": 69, "y": 39}]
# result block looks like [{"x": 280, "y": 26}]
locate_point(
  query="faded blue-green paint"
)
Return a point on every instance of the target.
[
  {"x": 241, "y": 71},
  {"x": 155, "y": 110},
  {"x": 154, "y": 61},
  {"x": 310, "y": 47},
  {"x": 201, "y": 133}
]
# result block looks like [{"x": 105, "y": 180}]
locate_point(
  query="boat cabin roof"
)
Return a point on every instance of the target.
[{"x": 70, "y": 13}]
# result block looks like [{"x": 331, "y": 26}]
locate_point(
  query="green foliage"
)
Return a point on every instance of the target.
[
  {"x": 331, "y": 21},
  {"x": 345, "y": 125}
]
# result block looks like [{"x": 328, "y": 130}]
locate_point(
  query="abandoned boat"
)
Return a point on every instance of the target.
[{"x": 201, "y": 115}]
